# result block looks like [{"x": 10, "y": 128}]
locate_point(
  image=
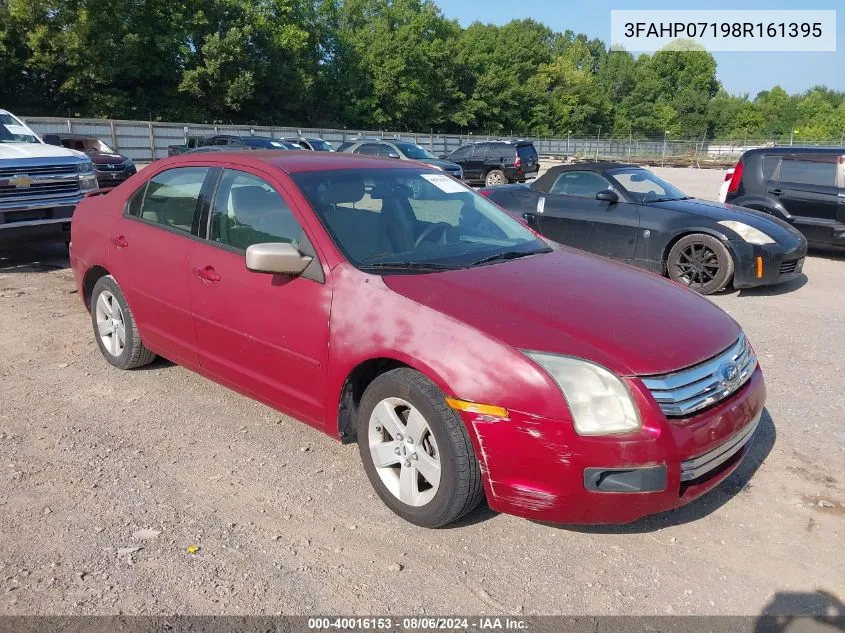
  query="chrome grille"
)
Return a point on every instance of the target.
[
  {"x": 39, "y": 189},
  {"x": 684, "y": 392},
  {"x": 32, "y": 170},
  {"x": 110, "y": 167}
]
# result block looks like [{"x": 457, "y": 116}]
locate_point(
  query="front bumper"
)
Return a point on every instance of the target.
[
  {"x": 541, "y": 469},
  {"x": 36, "y": 221},
  {"x": 778, "y": 263}
]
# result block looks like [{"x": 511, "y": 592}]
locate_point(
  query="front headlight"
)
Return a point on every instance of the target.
[
  {"x": 747, "y": 233},
  {"x": 129, "y": 162},
  {"x": 88, "y": 183},
  {"x": 85, "y": 167},
  {"x": 599, "y": 401}
]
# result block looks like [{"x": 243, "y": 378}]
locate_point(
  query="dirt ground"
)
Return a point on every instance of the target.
[{"x": 109, "y": 477}]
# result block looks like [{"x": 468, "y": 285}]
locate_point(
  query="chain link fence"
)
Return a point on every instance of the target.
[{"x": 145, "y": 141}]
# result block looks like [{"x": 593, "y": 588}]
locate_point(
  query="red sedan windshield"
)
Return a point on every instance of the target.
[{"x": 381, "y": 217}]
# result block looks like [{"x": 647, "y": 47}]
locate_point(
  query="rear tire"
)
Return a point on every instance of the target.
[
  {"x": 700, "y": 262},
  {"x": 427, "y": 472},
  {"x": 495, "y": 177},
  {"x": 114, "y": 327}
]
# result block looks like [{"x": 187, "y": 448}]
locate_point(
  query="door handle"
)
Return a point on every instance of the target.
[
  {"x": 207, "y": 274},
  {"x": 777, "y": 192},
  {"x": 120, "y": 241}
]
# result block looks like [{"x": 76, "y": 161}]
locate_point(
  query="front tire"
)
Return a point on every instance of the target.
[
  {"x": 416, "y": 450},
  {"x": 114, "y": 327},
  {"x": 700, "y": 262}
]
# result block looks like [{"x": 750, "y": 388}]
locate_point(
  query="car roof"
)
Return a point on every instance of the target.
[
  {"x": 789, "y": 149},
  {"x": 294, "y": 161},
  {"x": 544, "y": 183},
  {"x": 68, "y": 135}
]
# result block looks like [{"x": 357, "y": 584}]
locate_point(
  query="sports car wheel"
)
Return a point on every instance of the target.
[{"x": 700, "y": 262}]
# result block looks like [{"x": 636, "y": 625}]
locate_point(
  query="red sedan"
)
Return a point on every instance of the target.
[{"x": 384, "y": 302}]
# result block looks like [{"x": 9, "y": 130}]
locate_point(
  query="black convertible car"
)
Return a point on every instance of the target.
[{"x": 627, "y": 213}]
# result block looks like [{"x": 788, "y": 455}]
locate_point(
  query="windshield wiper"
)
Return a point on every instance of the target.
[
  {"x": 669, "y": 199},
  {"x": 509, "y": 255},
  {"x": 406, "y": 266}
]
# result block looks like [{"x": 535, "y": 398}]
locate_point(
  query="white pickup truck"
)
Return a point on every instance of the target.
[{"x": 40, "y": 185}]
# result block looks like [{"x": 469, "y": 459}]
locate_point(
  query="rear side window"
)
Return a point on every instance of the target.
[
  {"x": 171, "y": 197},
  {"x": 583, "y": 184},
  {"x": 807, "y": 171},
  {"x": 504, "y": 151},
  {"x": 770, "y": 166},
  {"x": 247, "y": 210}
]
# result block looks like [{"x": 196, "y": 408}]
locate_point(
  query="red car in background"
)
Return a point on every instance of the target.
[
  {"x": 111, "y": 168},
  {"x": 383, "y": 301}
]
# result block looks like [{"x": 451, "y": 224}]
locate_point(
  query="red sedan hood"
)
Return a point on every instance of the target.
[{"x": 568, "y": 302}]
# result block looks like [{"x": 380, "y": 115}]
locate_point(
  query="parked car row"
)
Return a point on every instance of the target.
[{"x": 234, "y": 142}]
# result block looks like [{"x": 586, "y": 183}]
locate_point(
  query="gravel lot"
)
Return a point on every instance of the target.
[{"x": 109, "y": 477}]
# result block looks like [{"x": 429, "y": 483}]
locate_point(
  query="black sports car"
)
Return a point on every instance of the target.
[{"x": 628, "y": 213}]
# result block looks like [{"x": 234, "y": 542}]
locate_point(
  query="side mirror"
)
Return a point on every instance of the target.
[
  {"x": 280, "y": 258},
  {"x": 607, "y": 196}
]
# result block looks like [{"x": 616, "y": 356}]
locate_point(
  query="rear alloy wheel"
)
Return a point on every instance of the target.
[
  {"x": 416, "y": 450},
  {"x": 114, "y": 327},
  {"x": 700, "y": 262},
  {"x": 495, "y": 177}
]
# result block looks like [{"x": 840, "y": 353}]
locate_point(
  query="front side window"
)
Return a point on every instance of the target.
[
  {"x": 462, "y": 153},
  {"x": 171, "y": 197},
  {"x": 583, "y": 184},
  {"x": 412, "y": 220},
  {"x": 808, "y": 171},
  {"x": 368, "y": 149},
  {"x": 643, "y": 186},
  {"x": 247, "y": 210},
  {"x": 319, "y": 145}
]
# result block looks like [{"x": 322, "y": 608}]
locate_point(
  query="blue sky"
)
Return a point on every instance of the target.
[{"x": 739, "y": 72}]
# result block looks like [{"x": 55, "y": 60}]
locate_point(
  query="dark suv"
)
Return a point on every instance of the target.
[
  {"x": 803, "y": 185},
  {"x": 496, "y": 162}
]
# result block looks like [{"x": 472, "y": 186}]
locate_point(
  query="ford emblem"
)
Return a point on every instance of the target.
[{"x": 729, "y": 374}]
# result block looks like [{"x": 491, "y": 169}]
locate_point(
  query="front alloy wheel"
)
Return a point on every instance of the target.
[
  {"x": 404, "y": 452},
  {"x": 416, "y": 450}
]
